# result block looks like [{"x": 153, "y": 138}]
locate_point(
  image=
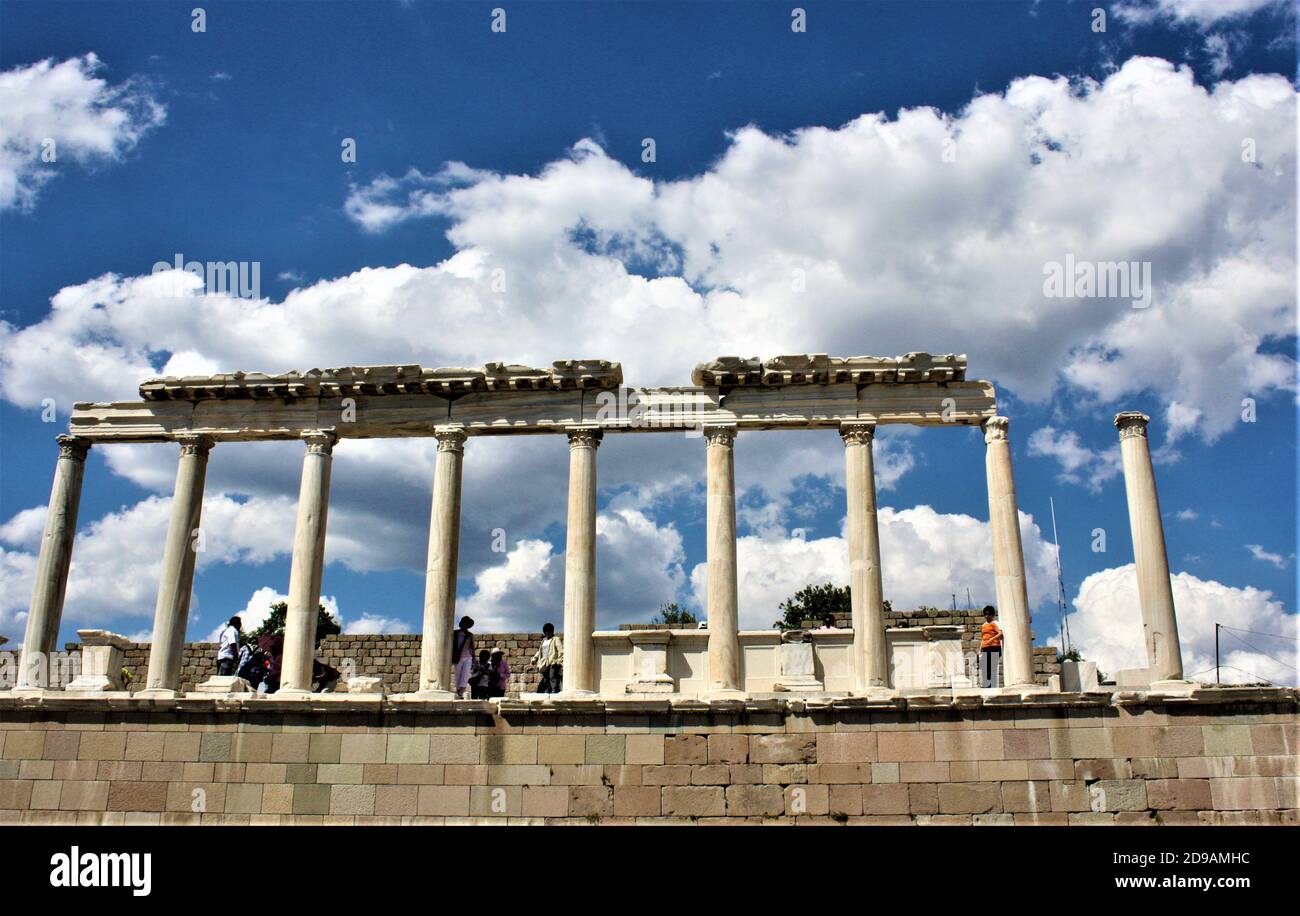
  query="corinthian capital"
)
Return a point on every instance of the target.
[
  {"x": 74, "y": 447},
  {"x": 995, "y": 430},
  {"x": 319, "y": 441},
  {"x": 450, "y": 438},
  {"x": 724, "y": 436},
  {"x": 194, "y": 444},
  {"x": 858, "y": 433},
  {"x": 585, "y": 437},
  {"x": 1131, "y": 423}
]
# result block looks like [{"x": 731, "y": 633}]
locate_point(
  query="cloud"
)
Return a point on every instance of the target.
[
  {"x": 1107, "y": 627},
  {"x": 926, "y": 558},
  {"x": 88, "y": 120},
  {"x": 372, "y": 623},
  {"x": 1187, "y": 515},
  {"x": 1079, "y": 463},
  {"x": 1201, "y": 13},
  {"x": 1259, "y": 553}
]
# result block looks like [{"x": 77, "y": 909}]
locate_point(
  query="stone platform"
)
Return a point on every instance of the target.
[{"x": 1211, "y": 756}]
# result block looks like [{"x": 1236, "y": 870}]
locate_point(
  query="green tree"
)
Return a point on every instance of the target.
[
  {"x": 814, "y": 602},
  {"x": 274, "y": 623},
  {"x": 672, "y": 615}
]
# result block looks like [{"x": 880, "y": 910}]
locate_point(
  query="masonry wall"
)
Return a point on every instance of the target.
[{"x": 1189, "y": 764}]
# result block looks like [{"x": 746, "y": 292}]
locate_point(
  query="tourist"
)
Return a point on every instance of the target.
[
  {"x": 228, "y": 648},
  {"x": 990, "y": 649},
  {"x": 462, "y": 656},
  {"x": 252, "y": 664},
  {"x": 323, "y": 677},
  {"x": 828, "y": 622},
  {"x": 549, "y": 660},
  {"x": 499, "y": 670},
  {"x": 480, "y": 675}
]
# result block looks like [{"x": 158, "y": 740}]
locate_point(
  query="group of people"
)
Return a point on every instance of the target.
[
  {"x": 258, "y": 659},
  {"x": 482, "y": 674}
]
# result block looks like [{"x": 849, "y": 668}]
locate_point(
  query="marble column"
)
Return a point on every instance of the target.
[
  {"x": 866, "y": 591},
  {"x": 721, "y": 600},
  {"x": 580, "y": 564},
  {"x": 440, "y": 571},
  {"x": 52, "y": 564},
  {"x": 1008, "y": 559},
  {"x": 1155, "y": 592},
  {"x": 177, "y": 577},
  {"x": 308, "y": 563}
]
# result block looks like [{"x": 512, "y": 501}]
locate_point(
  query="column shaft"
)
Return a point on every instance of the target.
[
  {"x": 308, "y": 563},
  {"x": 866, "y": 590},
  {"x": 1155, "y": 592},
  {"x": 176, "y": 581},
  {"x": 440, "y": 572},
  {"x": 1008, "y": 558},
  {"x": 723, "y": 618},
  {"x": 52, "y": 564},
  {"x": 580, "y": 564}
]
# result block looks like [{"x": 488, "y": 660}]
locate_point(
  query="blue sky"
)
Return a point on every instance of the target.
[{"x": 225, "y": 145}]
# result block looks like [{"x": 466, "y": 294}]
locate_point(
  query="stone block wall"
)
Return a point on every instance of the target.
[{"x": 1188, "y": 763}]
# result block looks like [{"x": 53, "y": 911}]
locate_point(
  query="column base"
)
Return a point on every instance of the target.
[
  {"x": 575, "y": 695},
  {"x": 29, "y": 692},
  {"x": 724, "y": 693},
  {"x": 1015, "y": 690},
  {"x": 157, "y": 693},
  {"x": 1173, "y": 688},
  {"x": 876, "y": 693},
  {"x": 446, "y": 696}
]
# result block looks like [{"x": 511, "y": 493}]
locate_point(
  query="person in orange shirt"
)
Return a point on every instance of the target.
[{"x": 990, "y": 648}]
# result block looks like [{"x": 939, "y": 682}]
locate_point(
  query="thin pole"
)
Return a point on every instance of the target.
[
  {"x": 1216, "y": 655},
  {"x": 1060, "y": 581}
]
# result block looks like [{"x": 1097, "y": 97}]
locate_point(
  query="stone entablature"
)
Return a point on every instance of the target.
[
  {"x": 821, "y": 369},
  {"x": 1217, "y": 757},
  {"x": 563, "y": 375}
]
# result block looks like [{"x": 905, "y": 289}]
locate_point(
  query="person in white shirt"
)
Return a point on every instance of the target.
[{"x": 228, "y": 647}]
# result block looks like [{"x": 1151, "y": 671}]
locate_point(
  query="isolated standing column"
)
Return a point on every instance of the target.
[
  {"x": 46, "y": 610},
  {"x": 308, "y": 563},
  {"x": 866, "y": 590},
  {"x": 177, "y": 577},
  {"x": 721, "y": 601},
  {"x": 580, "y": 563},
  {"x": 441, "y": 570},
  {"x": 1008, "y": 558},
  {"x": 1155, "y": 592}
]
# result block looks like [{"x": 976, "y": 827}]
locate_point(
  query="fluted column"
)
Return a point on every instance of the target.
[
  {"x": 308, "y": 563},
  {"x": 440, "y": 572},
  {"x": 866, "y": 590},
  {"x": 721, "y": 609},
  {"x": 580, "y": 564},
  {"x": 1008, "y": 558},
  {"x": 46, "y": 610},
  {"x": 1155, "y": 592},
  {"x": 177, "y": 577}
]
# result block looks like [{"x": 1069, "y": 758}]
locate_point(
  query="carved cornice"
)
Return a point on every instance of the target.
[
  {"x": 193, "y": 444},
  {"x": 1131, "y": 423},
  {"x": 858, "y": 433},
  {"x": 450, "y": 438},
  {"x": 821, "y": 369},
  {"x": 585, "y": 437},
  {"x": 319, "y": 441},
  {"x": 73, "y": 447},
  {"x": 995, "y": 430},
  {"x": 374, "y": 381},
  {"x": 724, "y": 436}
]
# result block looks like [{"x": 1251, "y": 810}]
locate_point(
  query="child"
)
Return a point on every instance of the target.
[
  {"x": 499, "y": 673},
  {"x": 480, "y": 676},
  {"x": 549, "y": 660}
]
